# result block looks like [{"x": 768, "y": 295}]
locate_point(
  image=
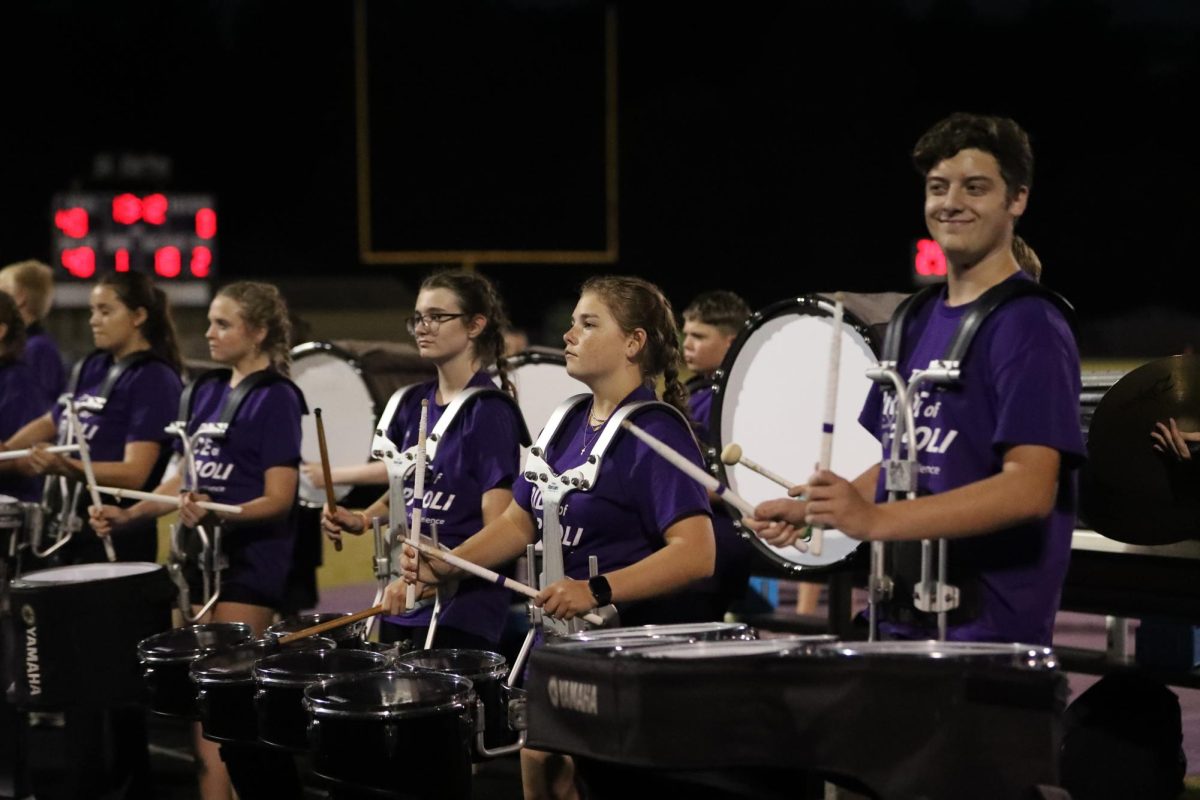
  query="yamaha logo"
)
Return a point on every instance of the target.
[
  {"x": 574, "y": 696},
  {"x": 27, "y": 616}
]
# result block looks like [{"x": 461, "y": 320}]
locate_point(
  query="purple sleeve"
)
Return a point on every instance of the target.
[
  {"x": 662, "y": 494},
  {"x": 871, "y": 410},
  {"x": 154, "y": 391},
  {"x": 491, "y": 430},
  {"x": 277, "y": 418},
  {"x": 1036, "y": 378},
  {"x": 43, "y": 357},
  {"x": 523, "y": 493},
  {"x": 17, "y": 405}
]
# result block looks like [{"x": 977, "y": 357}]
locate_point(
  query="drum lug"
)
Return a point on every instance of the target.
[
  {"x": 935, "y": 597},
  {"x": 880, "y": 588}
]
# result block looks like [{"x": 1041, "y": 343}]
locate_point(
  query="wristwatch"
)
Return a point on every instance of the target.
[{"x": 600, "y": 590}]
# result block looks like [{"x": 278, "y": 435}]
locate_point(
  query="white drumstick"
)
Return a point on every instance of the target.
[
  {"x": 694, "y": 472},
  {"x": 489, "y": 575},
  {"x": 13, "y": 455},
  {"x": 85, "y": 457},
  {"x": 732, "y": 454},
  {"x": 831, "y": 389},
  {"x": 165, "y": 499},
  {"x": 414, "y": 532}
]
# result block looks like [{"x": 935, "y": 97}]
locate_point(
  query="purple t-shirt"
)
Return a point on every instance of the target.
[
  {"x": 480, "y": 451},
  {"x": 1020, "y": 386},
  {"x": 140, "y": 406},
  {"x": 18, "y": 407},
  {"x": 264, "y": 434},
  {"x": 637, "y": 496},
  {"x": 700, "y": 398},
  {"x": 42, "y": 356}
]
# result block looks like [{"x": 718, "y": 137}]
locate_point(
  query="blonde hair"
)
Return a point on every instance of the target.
[
  {"x": 262, "y": 306},
  {"x": 36, "y": 282}
]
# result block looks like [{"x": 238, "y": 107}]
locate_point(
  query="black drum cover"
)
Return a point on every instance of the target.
[{"x": 78, "y": 629}]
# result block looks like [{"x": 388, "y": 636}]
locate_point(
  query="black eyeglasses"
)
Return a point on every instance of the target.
[{"x": 431, "y": 321}]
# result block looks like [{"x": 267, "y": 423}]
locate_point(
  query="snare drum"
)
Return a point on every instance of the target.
[
  {"x": 78, "y": 628},
  {"x": 486, "y": 671},
  {"x": 166, "y": 658},
  {"x": 353, "y": 380},
  {"x": 769, "y": 398},
  {"x": 224, "y": 687},
  {"x": 347, "y": 637},
  {"x": 280, "y": 681},
  {"x": 687, "y": 632},
  {"x": 399, "y": 733}
]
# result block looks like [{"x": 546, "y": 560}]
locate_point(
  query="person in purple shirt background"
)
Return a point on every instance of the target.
[
  {"x": 999, "y": 451},
  {"x": 710, "y": 325},
  {"x": 31, "y": 284},
  {"x": 18, "y": 406},
  {"x": 648, "y": 525},
  {"x": 254, "y": 466},
  {"x": 131, "y": 322},
  {"x": 458, "y": 325}
]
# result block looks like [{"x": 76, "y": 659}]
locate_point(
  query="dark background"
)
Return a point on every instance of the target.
[{"x": 763, "y": 146}]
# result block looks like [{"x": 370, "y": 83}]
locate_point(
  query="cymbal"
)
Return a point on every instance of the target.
[{"x": 1128, "y": 490}]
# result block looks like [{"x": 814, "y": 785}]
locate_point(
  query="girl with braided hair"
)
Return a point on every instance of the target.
[{"x": 459, "y": 324}]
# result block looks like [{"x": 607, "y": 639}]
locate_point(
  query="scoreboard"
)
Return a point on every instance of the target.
[{"x": 172, "y": 236}]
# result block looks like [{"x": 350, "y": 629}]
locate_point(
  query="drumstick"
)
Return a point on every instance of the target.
[
  {"x": 165, "y": 499},
  {"x": 330, "y": 498},
  {"x": 732, "y": 454},
  {"x": 816, "y": 544},
  {"x": 489, "y": 575},
  {"x": 85, "y": 456},
  {"x": 414, "y": 532},
  {"x": 691, "y": 470},
  {"x": 13, "y": 455},
  {"x": 329, "y": 625}
]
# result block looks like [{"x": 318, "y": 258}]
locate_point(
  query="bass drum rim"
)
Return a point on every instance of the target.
[{"x": 810, "y": 303}]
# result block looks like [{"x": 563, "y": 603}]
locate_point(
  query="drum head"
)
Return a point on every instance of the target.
[
  {"x": 303, "y": 667},
  {"x": 184, "y": 644},
  {"x": 1023, "y": 655},
  {"x": 542, "y": 382},
  {"x": 282, "y": 628},
  {"x": 333, "y": 382},
  {"x": 691, "y": 631},
  {"x": 472, "y": 664},
  {"x": 236, "y": 664},
  {"x": 389, "y": 694},
  {"x": 86, "y": 573},
  {"x": 770, "y": 400},
  {"x": 736, "y": 648}
]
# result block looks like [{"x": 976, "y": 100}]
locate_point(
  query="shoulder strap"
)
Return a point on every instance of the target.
[
  {"x": 98, "y": 401},
  {"x": 992, "y": 299},
  {"x": 893, "y": 339}
]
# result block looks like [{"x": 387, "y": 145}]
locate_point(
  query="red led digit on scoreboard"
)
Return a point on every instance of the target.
[
  {"x": 122, "y": 260},
  {"x": 929, "y": 260},
  {"x": 126, "y": 209},
  {"x": 206, "y": 223},
  {"x": 167, "y": 262},
  {"x": 201, "y": 261},
  {"x": 154, "y": 209},
  {"x": 73, "y": 222},
  {"x": 80, "y": 261}
]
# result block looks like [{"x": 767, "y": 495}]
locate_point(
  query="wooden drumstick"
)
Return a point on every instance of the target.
[
  {"x": 816, "y": 544},
  {"x": 732, "y": 454},
  {"x": 701, "y": 477},
  {"x": 165, "y": 499},
  {"x": 414, "y": 532},
  {"x": 330, "y": 498},
  {"x": 489, "y": 575},
  {"x": 340, "y": 622}
]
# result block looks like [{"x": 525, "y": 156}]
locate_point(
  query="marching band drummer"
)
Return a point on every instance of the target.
[
  {"x": 1002, "y": 483},
  {"x": 648, "y": 524},
  {"x": 18, "y": 405},
  {"x": 255, "y": 466},
  {"x": 458, "y": 325},
  {"x": 710, "y": 325},
  {"x": 31, "y": 284},
  {"x": 135, "y": 336}
]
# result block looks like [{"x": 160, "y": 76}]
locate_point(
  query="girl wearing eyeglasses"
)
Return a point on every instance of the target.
[{"x": 458, "y": 325}]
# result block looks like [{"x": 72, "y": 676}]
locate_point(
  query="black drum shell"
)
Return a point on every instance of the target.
[
  {"x": 486, "y": 671},
  {"x": 377, "y": 750},
  {"x": 279, "y": 684},
  {"x": 347, "y": 637},
  {"x": 167, "y": 657},
  {"x": 77, "y": 641},
  {"x": 225, "y": 699}
]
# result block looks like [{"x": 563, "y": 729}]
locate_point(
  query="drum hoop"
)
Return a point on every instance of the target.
[
  {"x": 375, "y": 663},
  {"x": 198, "y": 650},
  {"x": 462, "y": 699},
  {"x": 535, "y": 356},
  {"x": 497, "y": 671},
  {"x": 317, "y": 347},
  {"x": 23, "y": 581},
  {"x": 811, "y": 302},
  {"x": 952, "y": 651}
]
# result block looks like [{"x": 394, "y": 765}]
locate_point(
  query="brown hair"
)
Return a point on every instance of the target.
[
  {"x": 13, "y": 343},
  {"x": 478, "y": 296},
  {"x": 263, "y": 307},
  {"x": 135, "y": 290},
  {"x": 721, "y": 309},
  {"x": 1003, "y": 138},
  {"x": 636, "y": 303}
]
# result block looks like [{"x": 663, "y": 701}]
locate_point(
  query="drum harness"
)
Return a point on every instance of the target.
[
  {"x": 930, "y": 594},
  {"x": 57, "y": 516},
  {"x": 209, "y": 558}
]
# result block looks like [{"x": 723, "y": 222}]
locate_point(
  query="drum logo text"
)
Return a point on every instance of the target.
[
  {"x": 574, "y": 696},
  {"x": 33, "y": 673},
  {"x": 27, "y": 616}
]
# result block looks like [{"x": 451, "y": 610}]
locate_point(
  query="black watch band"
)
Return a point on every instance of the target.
[{"x": 600, "y": 590}]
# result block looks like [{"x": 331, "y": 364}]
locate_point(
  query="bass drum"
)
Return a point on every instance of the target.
[
  {"x": 351, "y": 381},
  {"x": 540, "y": 375},
  {"x": 769, "y": 398}
]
